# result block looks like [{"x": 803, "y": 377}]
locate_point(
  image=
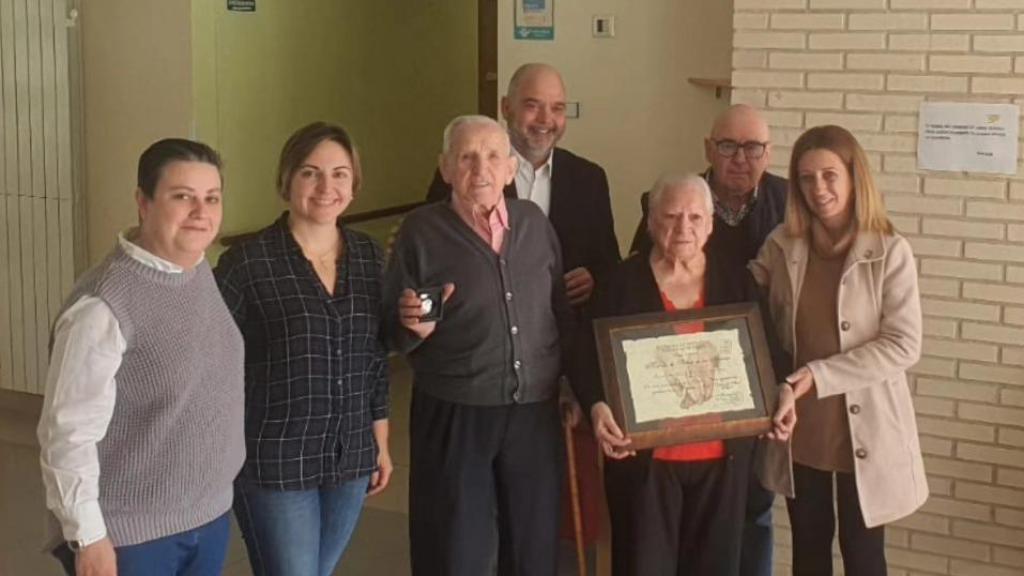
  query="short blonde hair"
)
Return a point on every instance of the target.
[{"x": 868, "y": 206}]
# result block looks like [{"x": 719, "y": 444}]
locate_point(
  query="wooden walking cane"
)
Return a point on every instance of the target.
[{"x": 574, "y": 497}]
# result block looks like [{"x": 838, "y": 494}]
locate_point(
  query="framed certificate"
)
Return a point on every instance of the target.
[{"x": 687, "y": 376}]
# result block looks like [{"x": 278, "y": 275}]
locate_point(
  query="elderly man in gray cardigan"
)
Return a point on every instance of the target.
[{"x": 485, "y": 422}]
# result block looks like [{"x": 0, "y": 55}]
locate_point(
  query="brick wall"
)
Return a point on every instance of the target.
[{"x": 867, "y": 65}]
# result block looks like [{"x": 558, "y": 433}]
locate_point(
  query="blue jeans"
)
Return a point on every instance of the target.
[
  {"x": 298, "y": 532},
  {"x": 198, "y": 552}
]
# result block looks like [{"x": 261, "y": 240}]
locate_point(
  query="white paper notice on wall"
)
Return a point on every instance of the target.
[{"x": 968, "y": 137}]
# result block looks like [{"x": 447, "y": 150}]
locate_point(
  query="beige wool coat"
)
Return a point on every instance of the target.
[{"x": 879, "y": 318}]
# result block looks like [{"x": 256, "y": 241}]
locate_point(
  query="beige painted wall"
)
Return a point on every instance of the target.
[
  {"x": 392, "y": 73},
  {"x": 136, "y": 88},
  {"x": 639, "y": 115}
]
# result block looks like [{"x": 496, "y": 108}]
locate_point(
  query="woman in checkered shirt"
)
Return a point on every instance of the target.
[{"x": 305, "y": 292}]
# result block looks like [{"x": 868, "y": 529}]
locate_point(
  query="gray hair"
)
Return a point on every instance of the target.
[
  {"x": 466, "y": 120},
  {"x": 674, "y": 181}
]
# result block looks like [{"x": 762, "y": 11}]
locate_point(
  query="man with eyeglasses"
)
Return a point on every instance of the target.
[{"x": 749, "y": 204}]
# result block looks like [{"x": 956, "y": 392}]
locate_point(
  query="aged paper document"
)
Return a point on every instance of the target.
[{"x": 683, "y": 375}]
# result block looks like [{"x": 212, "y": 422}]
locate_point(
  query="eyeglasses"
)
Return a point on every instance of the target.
[{"x": 753, "y": 149}]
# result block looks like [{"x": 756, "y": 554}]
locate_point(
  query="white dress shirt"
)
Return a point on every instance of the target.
[
  {"x": 80, "y": 393},
  {"x": 534, "y": 184}
]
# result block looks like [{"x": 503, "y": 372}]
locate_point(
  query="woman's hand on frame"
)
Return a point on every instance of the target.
[
  {"x": 802, "y": 381},
  {"x": 784, "y": 420}
]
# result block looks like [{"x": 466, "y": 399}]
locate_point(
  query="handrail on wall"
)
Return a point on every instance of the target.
[{"x": 233, "y": 239}]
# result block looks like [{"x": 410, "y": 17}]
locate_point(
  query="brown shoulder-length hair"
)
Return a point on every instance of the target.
[
  {"x": 302, "y": 143},
  {"x": 868, "y": 206}
]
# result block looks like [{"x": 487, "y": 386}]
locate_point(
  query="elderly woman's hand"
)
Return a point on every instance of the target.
[
  {"x": 410, "y": 308},
  {"x": 607, "y": 433},
  {"x": 784, "y": 420}
]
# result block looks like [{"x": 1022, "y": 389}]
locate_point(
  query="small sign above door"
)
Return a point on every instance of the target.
[{"x": 241, "y": 5}]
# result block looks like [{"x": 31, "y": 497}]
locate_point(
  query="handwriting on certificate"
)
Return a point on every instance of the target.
[{"x": 684, "y": 375}]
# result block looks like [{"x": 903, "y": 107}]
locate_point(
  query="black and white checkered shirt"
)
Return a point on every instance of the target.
[{"x": 315, "y": 364}]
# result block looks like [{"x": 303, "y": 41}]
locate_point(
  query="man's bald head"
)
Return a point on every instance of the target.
[
  {"x": 534, "y": 109},
  {"x": 738, "y": 150},
  {"x": 740, "y": 115},
  {"x": 530, "y": 73}
]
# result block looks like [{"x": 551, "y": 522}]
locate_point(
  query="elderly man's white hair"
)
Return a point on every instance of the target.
[
  {"x": 460, "y": 121},
  {"x": 675, "y": 181}
]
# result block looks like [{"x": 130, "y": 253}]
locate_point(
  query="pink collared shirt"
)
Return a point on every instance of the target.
[{"x": 490, "y": 226}]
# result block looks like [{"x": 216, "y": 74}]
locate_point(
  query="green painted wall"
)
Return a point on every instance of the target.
[{"x": 392, "y": 73}]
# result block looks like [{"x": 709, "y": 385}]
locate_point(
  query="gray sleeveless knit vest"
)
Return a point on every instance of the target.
[{"x": 175, "y": 441}]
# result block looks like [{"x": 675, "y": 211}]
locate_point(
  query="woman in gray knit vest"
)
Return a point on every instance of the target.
[
  {"x": 305, "y": 292},
  {"x": 141, "y": 429}
]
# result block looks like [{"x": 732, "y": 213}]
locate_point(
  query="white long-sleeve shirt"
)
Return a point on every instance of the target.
[
  {"x": 534, "y": 184},
  {"x": 80, "y": 394}
]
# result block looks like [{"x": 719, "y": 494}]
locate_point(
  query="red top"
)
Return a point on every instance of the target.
[{"x": 694, "y": 451}]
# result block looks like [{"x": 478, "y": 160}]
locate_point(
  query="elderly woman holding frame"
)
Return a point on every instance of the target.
[
  {"x": 676, "y": 509},
  {"x": 842, "y": 288}
]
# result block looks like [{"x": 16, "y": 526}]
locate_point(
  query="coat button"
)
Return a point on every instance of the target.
[
  {"x": 508, "y": 296},
  {"x": 844, "y": 325},
  {"x": 868, "y": 253},
  {"x": 860, "y": 453},
  {"x": 855, "y": 409},
  {"x": 514, "y": 330},
  {"x": 517, "y": 364}
]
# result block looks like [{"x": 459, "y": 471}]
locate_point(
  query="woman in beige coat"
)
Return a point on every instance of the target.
[{"x": 843, "y": 295}]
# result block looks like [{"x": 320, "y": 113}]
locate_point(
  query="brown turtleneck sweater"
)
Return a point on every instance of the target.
[{"x": 821, "y": 439}]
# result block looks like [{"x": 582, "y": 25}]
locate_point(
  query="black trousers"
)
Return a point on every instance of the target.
[
  {"x": 814, "y": 525},
  {"x": 621, "y": 479},
  {"x": 678, "y": 518},
  {"x": 484, "y": 484}
]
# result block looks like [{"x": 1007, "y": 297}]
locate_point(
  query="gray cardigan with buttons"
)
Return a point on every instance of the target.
[{"x": 507, "y": 323}]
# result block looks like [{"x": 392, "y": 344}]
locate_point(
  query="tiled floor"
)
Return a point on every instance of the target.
[{"x": 380, "y": 546}]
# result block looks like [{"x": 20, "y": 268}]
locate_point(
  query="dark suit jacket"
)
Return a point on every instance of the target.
[
  {"x": 763, "y": 217},
  {"x": 580, "y": 212}
]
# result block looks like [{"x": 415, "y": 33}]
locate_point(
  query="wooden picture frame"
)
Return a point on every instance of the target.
[{"x": 672, "y": 376}]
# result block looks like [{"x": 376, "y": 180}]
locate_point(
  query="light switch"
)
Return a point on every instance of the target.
[{"x": 604, "y": 26}]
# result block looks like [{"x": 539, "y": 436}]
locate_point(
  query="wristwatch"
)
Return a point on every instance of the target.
[{"x": 77, "y": 545}]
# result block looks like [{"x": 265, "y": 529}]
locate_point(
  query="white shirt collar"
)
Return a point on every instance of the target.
[
  {"x": 145, "y": 256},
  {"x": 526, "y": 169},
  {"x": 534, "y": 184}
]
